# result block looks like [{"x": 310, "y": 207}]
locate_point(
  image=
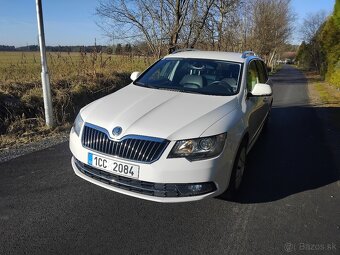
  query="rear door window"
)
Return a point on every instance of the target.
[
  {"x": 262, "y": 72},
  {"x": 265, "y": 70},
  {"x": 252, "y": 76}
]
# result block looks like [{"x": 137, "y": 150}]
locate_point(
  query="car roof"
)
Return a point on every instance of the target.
[{"x": 216, "y": 55}]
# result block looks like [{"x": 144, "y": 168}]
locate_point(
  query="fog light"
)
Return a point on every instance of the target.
[{"x": 195, "y": 189}]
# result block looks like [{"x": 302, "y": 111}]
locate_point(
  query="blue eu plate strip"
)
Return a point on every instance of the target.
[{"x": 89, "y": 158}]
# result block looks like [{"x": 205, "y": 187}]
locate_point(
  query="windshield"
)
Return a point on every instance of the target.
[{"x": 203, "y": 76}]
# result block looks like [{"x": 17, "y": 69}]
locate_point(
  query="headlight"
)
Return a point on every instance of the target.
[
  {"x": 78, "y": 124},
  {"x": 199, "y": 148}
]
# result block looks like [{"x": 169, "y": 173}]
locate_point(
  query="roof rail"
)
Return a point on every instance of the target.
[
  {"x": 248, "y": 53},
  {"x": 181, "y": 50}
]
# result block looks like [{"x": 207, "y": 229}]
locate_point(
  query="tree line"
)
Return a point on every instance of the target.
[
  {"x": 140, "y": 49},
  {"x": 94, "y": 48},
  {"x": 263, "y": 26},
  {"x": 320, "y": 50}
]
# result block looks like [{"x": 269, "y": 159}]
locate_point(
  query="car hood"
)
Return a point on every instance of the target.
[{"x": 157, "y": 113}]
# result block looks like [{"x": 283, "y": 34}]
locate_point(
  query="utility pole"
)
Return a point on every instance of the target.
[
  {"x": 113, "y": 41},
  {"x": 245, "y": 32},
  {"x": 44, "y": 71}
]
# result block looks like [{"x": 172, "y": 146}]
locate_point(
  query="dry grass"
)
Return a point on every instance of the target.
[
  {"x": 326, "y": 98},
  {"x": 322, "y": 92},
  {"x": 76, "y": 79},
  {"x": 24, "y": 67}
]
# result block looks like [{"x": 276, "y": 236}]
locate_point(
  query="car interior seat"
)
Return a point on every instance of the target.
[{"x": 192, "y": 81}]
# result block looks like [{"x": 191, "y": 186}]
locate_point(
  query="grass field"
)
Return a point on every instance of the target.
[
  {"x": 76, "y": 79},
  {"x": 24, "y": 67}
]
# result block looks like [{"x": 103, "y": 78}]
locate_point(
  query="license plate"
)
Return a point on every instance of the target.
[{"x": 113, "y": 166}]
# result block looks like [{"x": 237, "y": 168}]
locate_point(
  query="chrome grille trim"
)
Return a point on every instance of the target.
[{"x": 132, "y": 147}]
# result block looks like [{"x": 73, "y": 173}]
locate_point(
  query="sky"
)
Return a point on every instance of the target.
[{"x": 73, "y": 22}]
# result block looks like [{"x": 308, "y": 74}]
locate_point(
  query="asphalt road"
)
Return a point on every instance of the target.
[{"x": 289, "y": 201}]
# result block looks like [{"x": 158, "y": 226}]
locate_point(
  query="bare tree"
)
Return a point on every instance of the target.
[
  {"x": 309, "y": 30},
  {"x": 270, "y": 27},
  {"x": 311, "y": 24},
  {"x": 207, "y": 23},
  {"x": 226, "y": 20},
  {"x": 197, "y": 19},
  {"x": 234, "y": 25},
  {"x": 156, "y": 22},
  {"x": 176, "y": 18},
  {"x": 130, "y": 20}
]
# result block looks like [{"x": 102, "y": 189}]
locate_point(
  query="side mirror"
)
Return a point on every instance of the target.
[
  {"x": 134, "y": 76},
  {"x": 261, "y": 89}
]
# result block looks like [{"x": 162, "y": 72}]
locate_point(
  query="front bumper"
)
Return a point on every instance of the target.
[
  {"x": 162, "y": 180},
  {"x": 142, "y": 187}
]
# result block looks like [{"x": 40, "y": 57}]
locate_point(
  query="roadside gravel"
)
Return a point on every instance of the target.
[{"x": 14, "y": 152}]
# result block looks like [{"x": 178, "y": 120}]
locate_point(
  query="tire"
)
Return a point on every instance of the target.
[{"x": 237, "y": 172}]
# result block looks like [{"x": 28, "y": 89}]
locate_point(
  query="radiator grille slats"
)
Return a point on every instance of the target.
[{"x": 131, "y": 148}]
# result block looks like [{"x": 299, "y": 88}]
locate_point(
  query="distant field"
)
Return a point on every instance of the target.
[{"x": 24, "y": 67}]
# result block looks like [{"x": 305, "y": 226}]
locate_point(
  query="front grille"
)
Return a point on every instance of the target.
[
  {"x": 136, "y": 148},
  {"x": 142, "y": 187}
]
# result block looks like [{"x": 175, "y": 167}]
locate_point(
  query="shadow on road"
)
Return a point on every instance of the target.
[
  {"x": 290, "y": 157},
  {"x": 283, "y": 77},
  {"x": 293, "y": 76}
]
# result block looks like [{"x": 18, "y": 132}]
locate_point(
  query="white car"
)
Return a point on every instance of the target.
[{"x": 179, "y": 132}]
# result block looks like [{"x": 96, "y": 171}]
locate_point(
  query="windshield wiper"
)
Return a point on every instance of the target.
[
  {"x": 187, "y": 91},
  {"x": 170, "y": 89},
  {"x": 144, "y": 85},
  {"x": 176, "y": 90},
  {"x": 203, "y": 92}
]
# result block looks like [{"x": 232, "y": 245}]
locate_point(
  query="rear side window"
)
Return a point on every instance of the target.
[
  {"x": 262, "y": 71},
  {"x": 265, "y": 70},
  {"x": 252, "y": 76}
]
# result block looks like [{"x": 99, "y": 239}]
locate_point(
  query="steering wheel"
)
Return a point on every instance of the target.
[
  {"x": 214, "y": 82},
  {"x": 223, "y": 84},
  {"x": 191, "y": 85}
]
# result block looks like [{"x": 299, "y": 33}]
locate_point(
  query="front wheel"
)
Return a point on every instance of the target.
[{"x": 237, "y": 172}]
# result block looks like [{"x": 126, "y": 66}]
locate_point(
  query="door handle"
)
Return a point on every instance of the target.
[{"x": 265, "y": 100}]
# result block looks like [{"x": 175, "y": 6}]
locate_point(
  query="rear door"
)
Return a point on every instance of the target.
[
  {"x": 266, "y": 100},
  {"x": 257, "y": 107}
]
